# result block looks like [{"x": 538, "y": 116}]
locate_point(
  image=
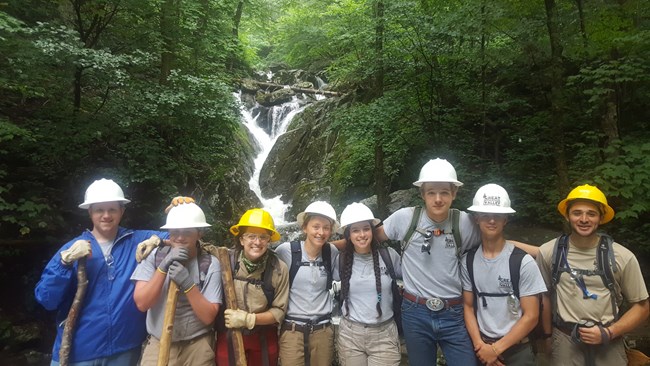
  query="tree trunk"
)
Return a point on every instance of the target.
[
  {"x": 379, "y": 47},
  {"x": 168, "y": 33},
  {"x": 237, "y": 18},
  {"x": 556, "y": 129},
  {"x": 581, "y": 18},
  {"x": 381, "y": 188},
  {"x": 78, "y": 74}
]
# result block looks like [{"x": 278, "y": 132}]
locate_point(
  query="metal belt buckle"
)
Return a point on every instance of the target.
[{"x": 435, "y": 304}]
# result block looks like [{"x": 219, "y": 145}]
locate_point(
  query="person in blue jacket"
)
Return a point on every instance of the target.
[{"x": 110, "y": 329}]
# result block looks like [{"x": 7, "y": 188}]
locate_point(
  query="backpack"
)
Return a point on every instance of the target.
[
  {"x": 297, "y": 262},
  {"x": 204, "y": 258},
  {"x": 605, "y": 262},
  {"x": 397, "y": 293},
  {"x": 455, "y": 229},
  {"x": 514, "y": 264}
]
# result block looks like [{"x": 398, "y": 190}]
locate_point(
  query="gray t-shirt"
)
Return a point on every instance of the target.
[
  {"x": 186, "y": 324},
  {"x": 308, "y": 295},
  {"x": 492, "y": 275},
  {"x": 436, "y": 274},
  {"x": 362, "y": 300}
]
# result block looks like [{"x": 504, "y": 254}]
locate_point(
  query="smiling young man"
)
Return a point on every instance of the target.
[
  {"x": 110, "y": 329},
  {"x": 432, "y": 309},
  {"x": 198, "y": 276},
  {"x": 588, "y": 327},
  {"x": 501, "y": 293}
]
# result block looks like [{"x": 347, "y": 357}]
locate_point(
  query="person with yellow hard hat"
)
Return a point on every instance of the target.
[
  {"x": 588, "y": 276},
  {"x": 261, "y": 284}
]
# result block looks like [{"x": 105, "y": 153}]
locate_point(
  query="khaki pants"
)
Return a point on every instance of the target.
[
  {"x": 364, "y": 345},
  {"x": 321, "y": 347},
  {"x": 197, "y": 351},
  {"x": 567, "y": 353}
]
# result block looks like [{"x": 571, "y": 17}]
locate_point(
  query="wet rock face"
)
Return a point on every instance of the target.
[{"x": 297, "y": 166}]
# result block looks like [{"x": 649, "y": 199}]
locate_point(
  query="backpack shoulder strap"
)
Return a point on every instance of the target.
[
  {"x": 385, "y": 256},
  {"x": 559, "y": 250},
  {"x": 267, "y": 278},
  {"x": 469, "y": 262},
  {"x": 326, "y": 254},
  {"x": 607, "y": 265},
  {"x": 516, "y": 257},
  {"x": 205, "y": 260},
  {"x": 455, "y": 229},
  {"x": 296, "y": 259},
  {"x": 161, "y": 253},
  {"x": 412, "y": 226}
]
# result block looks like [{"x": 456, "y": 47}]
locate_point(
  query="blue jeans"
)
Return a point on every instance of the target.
[
  {"x": 425, "y": 330},
  {"x": 128, "y": 358}
]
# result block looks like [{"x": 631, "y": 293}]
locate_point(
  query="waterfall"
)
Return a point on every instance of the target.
[{"x": 278, "y": 118}]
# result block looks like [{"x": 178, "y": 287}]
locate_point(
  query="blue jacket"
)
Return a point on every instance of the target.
[{"x": 109, "y": 322}]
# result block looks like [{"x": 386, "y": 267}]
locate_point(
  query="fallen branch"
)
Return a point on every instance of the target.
[{"x": 274, "y": 86}]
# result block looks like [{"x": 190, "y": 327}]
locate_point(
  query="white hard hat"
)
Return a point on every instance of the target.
[
  {"x": 356, "y": 212},
  {"x": 103, "y": 190},
  {"x": 321, "y": 208},
  {"x": 438, "y": 171},
  {"x": 491, "y": 198},
  {"x": 185, "y": 215}
]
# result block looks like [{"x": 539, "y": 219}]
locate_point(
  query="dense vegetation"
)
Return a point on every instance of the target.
[{"x": 535, "y": 95}]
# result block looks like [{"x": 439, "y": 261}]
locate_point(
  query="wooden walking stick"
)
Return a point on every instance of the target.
[
  {"x": 231, "y": 303},
  {"x": 168, "y": 324},
  {"x": 73, "y": 314}
]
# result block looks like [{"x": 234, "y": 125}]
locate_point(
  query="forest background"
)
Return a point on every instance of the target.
[{"x": 536, "y": 95}]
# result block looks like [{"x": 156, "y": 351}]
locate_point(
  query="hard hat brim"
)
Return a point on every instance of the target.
[
  {"x": 86, "y": 204},
  {"x": 172, "y": 226},
  {"x": 497, "y": 210},
  {"x": 275, "y": 236},
  {"x": 607, "y": 215},
  {"x": 419, "y": 183},
  {"x": 374, "y": 224}
]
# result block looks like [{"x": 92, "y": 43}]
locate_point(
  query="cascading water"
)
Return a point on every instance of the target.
[{"x": 279, "y": 118}]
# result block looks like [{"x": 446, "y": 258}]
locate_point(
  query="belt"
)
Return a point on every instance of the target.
[
  {"x": 367, "y": 325},
  {"x": 490, "y": 340},
  {"x": 433, "y": 303},
  {"x": 306, "y": 328}
]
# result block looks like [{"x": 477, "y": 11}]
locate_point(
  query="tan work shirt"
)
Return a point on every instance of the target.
[
  {"x": 571, "y": 306},
  {"x": 251, "y": 297}
]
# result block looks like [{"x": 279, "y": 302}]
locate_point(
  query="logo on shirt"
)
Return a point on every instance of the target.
[
  {"x": 449, "y": 242},
  {"x": 504, "y": 283}
]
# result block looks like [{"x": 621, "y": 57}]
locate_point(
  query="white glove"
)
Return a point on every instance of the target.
[
  {"x": 239, "y": 319},
  {"x": 145, "y": 247},
  {"x": 79, "y": 249}
]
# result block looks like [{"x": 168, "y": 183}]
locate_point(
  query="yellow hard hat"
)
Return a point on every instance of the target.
[
  {"x": 256, "y": 217},
  {"x": 591, "y": 193}
]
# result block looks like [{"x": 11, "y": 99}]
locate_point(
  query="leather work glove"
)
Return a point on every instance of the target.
[
  {"x": 179, "y": 274},
  {"x": 179, "y": 200},
  {"x": 145, "y": 247},
  {"x": 78, "y": 249},
  {"x": 239, "y": 319},
  {"x": 174, "y": 255}
]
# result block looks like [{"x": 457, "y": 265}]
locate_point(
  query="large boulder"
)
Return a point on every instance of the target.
[{"x": 274, "y": 98}]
